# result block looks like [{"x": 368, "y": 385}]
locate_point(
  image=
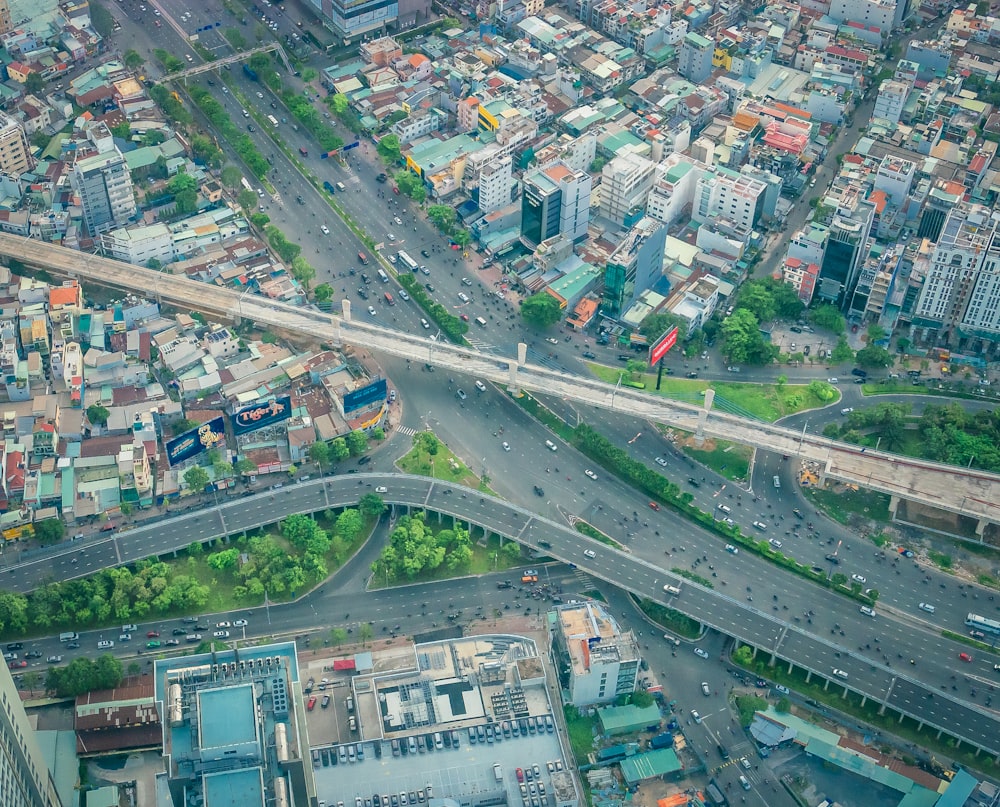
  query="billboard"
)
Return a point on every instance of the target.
[
  {"x": 366, "y": 396},
  {"x": 662, "y": 345},
  {"x": 205, "y": 437},
  {"x": 259, "y": 415}
]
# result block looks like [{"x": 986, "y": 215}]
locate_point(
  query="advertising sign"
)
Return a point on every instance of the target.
[
  {"x": 205, "y": 437},
  {"x": 259, "y": 415},
  {"x": 663, "y": 345},
  {"x": 366, "y": 396}
]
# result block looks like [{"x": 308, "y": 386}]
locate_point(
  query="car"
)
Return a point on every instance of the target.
[
  {"x": 381, "y": 489},
  {"x": 18, "y": 665},
  {"x": 460, "y": 394},
  {"x": 693, "y": 374},
  {"x": 223, "y": 624},
  {"x": 311, "y": 704},
  {"x": 867, "y": 611},
  {"x": 654, "y": 506},
  {"x": 798, "y": 514},
  {"x": 325, "y": 702},
  {"x": 733, "y": 369},
  {"x": 324, "y": 229},
  {"x": 309, "y": 686},
  {"x": 33, "y": 654},
  {"x": 551, "y": 340},
  {"x": 782, "y": 689},
  {"x": 403, "y": 295},
  {"x": 424, "y": 324},
  {"x": 15, "y": 646},
  {"x": 53, "y": 659},
  {"x": 847, "y": 410},
  {"x": 464, "y": 317},
  {"x": 906, "y": 553},
  {"x": 833, "y": 380},
  {"x": 505, "y": 446},
  {"x": 839, "y": 673},
  {"x": 153, "y": 634},
  {"x": 251, "y": 127},
  {"x": 589, "y": 553},
  {"x": 732, "y": 550},
  {"x": 153, "y": 644},
  {"x": 775, "y": 543},
  {"x": 129, "y": 628},
  {"x": 371, "y": 311},
  {"x": 539, "y": 491},
  {"x": 172, "y": 642},
  {"x": 661, "y": 462},
  {"x": 591, "y": 474},
  {"x": 857, "y": 578},
  {"x": 975, "y": 634},
  {"x": 706, "y": 690},
  {"x": 221, "y": 634},
  {"x": 125, "y": 637},
  {"x": 390, "y": 236},
  {"x": 364, "y": 460},
  {"x": 965, "y": 657},
  {"x": 397, "y": 219},
  {"x": 701, "y": 653},
  {"x": 694, "y": 482},
  {"x": 73, "y": 646},
  {"x": 695, "y": 716},
  {"x": 178, "y": 632},
  {"x": 240, "y": 623},
  {"x": 760, "y": 525},
  {"x": 859, "y": 372},
  {"x": 480, "y": 386},
  {"x": 587, "y": 354},
  {"x": 833, "y": 559}
]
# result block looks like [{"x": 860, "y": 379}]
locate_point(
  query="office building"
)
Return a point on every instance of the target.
[
  {"x": 890, "y": 100},
  {"x": 724, "y": 194},
  {"x": 495, "y": 181},
  {"x": 596, "y": 659},
  {"x": 802, "y": 277},
  {"x": 25, "y": 780},
  {"x": 959, "y": 304},
  {"x": 848, "y": 229},
  {"x": 102, "y": 180},
  {"x": 634, "y": 266},
  {"x": 884, "y": 15},
  {"x": 15, "y": 152},
  {"x": 695, "y": 59},
  {"x": 556, "y": 200},
  {"x": 625, "y": 184}
]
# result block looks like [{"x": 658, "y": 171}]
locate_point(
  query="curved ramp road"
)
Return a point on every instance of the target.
[
  {"x": 971, "y": 493},
  {"x": 901, "y": 686}
]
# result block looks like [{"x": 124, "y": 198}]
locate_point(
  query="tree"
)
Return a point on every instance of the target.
[
  {"x": 196, "y": 478},
  {"x": 828, "y": 317},
  {"x": 185, "y": 202},
  {"x": 349, "y": 524},
  {"x": 655, "y": 325},
  {"x": 125, "y": 508},
  {"x": 340, "y": 105},
  {"x": 182, "y": 182},
  {"x": 365, "y": 632},
  {"x": 231, "y": 177},
  {"x": 338, "y": 636},
  {"x": 371, "y": 505},
  {"x": 34, "y": 83},
  {"x": 781, "y": 380},
  {"x": 133, "y": 59},
  {"x": 388, "y": 150},
  {"x": 635, "y": 368},
  {"x": 323, "y": 293},
  {"x": 303, "y": 271},
  {"x": 50, "y": 530},
  {"x": 443, "y": 216},
  {"x": 462, "y": 237},
  {"x": 247, "y": 199},
  {"x": 757, "y": 298},
  {"x": 122, "y": 130},
  {"x": 339, "y": 449},
  {"x": 842, "y": 353},
  {"x": 183, "y": 425},
  {"x": 222, "y": 469},
  {"x": 319, "y": 452},
  {"x": 244, "y": 467},
  {"x": 541, "y": 310},
  {"x": 97, "y": 415},
  {"x": 357, "y": 443},
  {"x": 744, "y": 343},
  {"x": 876, "y": 333},
  {"x": 873, "y": 356},
  {"x": 902, "y": 345}
]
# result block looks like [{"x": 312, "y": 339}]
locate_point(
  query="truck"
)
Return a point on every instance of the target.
[{"x": 250, "y": 72}]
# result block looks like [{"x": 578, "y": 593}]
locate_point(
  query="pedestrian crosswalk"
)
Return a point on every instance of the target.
[
  {"x": 407, "y": 430},
  {"x": 480, "y": 345}
]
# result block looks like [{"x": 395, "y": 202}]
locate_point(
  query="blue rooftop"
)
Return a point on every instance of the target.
[
  {"x": 234, "y": 788},
  {"x": 226, "y": 717}
]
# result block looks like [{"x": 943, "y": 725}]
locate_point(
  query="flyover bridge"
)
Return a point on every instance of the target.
[{"x": 967, "y": 492}]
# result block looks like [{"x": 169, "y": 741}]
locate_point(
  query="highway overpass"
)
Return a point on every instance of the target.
[{"x": 966, "y": 492}]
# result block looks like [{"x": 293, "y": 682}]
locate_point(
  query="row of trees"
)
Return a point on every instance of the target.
[
  {"x": 83, "y": 675},
  {"x": 452, "y": 327},
  {"x": 238, "y": 139}
]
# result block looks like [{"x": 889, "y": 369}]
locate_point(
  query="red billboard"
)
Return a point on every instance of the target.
[{"x": 662, "y": 345}]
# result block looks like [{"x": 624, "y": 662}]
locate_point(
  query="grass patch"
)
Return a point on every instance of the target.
[
  {"x": 767, "y": 402},
  {"x": 905, "y": 388},
  {"x": 728, "y": 459},
  {"x": 968, "y": 640},
  {"x": 594, "y": 594},
  {"x": 668, "y": 618},
  {"x": 591, "y": 531},
  {"x": 846, "y": 505},
  {"x": 582, "y": 729},
  {"x": 545, "y": 416},
  {"x": 940, "y": 559},
  {"x": 431, "y": 457}
]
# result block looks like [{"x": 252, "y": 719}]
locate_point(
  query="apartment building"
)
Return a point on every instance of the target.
[
  {"x": 25, "y": 780},
  {"x": 695, "y": 59},
  {"x": 103, "y": 182},
  {"x": 556, "y": 200},
  {"x": 495, "y": 184},
  {"x": 634, "y": 266},
  {"x": 721, "y": 193},
  {"x": 625, "y": 184},
  {"x": 15, "y": 152}
]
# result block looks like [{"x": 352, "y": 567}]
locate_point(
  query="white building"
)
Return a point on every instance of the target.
[
  {"x": 15, "y": 152},
  {"x": 495, "y": 185},
  {"x": 695, "y": 301},
  {"x": 25, "y": 780},
  {"x": 891, "y": 98},
  {"x": 895, "y": 177},
  {"x": 721, "y": 193},
  {"x": 882, "y": 14},
  {"x": 674, "y": 187},
  {"x": 625, "y": 184},
  {"x": 103, "y": 182}
]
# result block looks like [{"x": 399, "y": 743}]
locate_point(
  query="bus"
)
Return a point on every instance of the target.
[
  {"x": 388, "y": 298},
  {"x": 406, "y": 260},
  {"x": 245, "y": 184},
  {"x": 273, "y": 121},
  {"x": 983, "y": 624}
]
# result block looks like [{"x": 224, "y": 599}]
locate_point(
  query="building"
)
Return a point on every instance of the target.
[
  {"x": 495, "y": 184},
  {"x": 625, "y": 184},
  {"x": 884, "y": 15},
  {"x": 890, "y": 100},
  {"x": 102, "y": 180},
  {"x": 25, "y": 780},
  {"x": 802, "y": 276},
  {"x": 356, "y": 18},
  {"x": 959, "y": 304},
  {"x": 848, "y": 230},
  {"x": 594, "y": 657},
  {"x": 6, "y": 25},
  {"x": 724, "y": 194},
  {"x": 556, "y": 200},
  {"x": 695, "y": 59},
  {"x": 634, "y": 266},
  {"x": 234, "y": 727},
  {"x": 15, "y": 152},
  {"x": 695, "y": 301}
]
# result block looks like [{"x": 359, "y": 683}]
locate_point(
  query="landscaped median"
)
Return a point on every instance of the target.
[{"x": 450, "y": 325}]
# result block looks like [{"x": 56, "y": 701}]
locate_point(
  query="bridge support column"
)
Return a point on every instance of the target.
[
  {"x": 920, "y": 725},
  {"x": 893, "y": 505},
  {"x": 754, "y": 654},
  {"x": 699, "y": 434},
  {"x": 522, "y": 358},
  {"x": 981, "y": 526},
  {"x": 345, "y": 309},
  {"x": 809, "y": 676},
  {"x": 864, "y": 700}
]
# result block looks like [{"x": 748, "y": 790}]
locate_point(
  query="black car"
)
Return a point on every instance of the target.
[
  {"x": 723, "y": 752},
  {"x": 797, "y": 513},
  {"x": 73, "y": 646},
  {"x": 588, "y": 355},
  {"x": 694, "y": 482},
  {"x": 624, "y": 357},
  {"x": 425, "y": 253},
  {"x": 539, "y": 491},
  {"x": 251, "y": 128},
  {"x": 382, "y": 177},
  {"x": 833, "y": 559},
  {"x": 693, "y": 374},
  {"x": 364, "y": 460},
  {"x": 859, "y": 372},
  {"x": 14, "y": 646},
  {"x": 429, "y": 287},
  {"x": 179, "y": 632},
  {"x": 33, "y": 654}
]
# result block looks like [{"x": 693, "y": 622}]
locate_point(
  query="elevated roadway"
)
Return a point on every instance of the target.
[
  {"x": 913, "y": 691},
  {"x": 967, "y": 492}
]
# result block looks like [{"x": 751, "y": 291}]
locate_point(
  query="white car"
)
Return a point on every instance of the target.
[
  {"x": 760, "y": 525},
  {"x": 398, "y": 220},
  {"x": 591, "y": 474},
  {"x": 505, "y": 446},
  {"x": 867, "y": 611},
  {"x": 391, "y": 237},
  {"x": 260, "y": 94},
  {"x": 833, "y": 380},
  {"x": 221, "y": 634},
  {"x": 240, "y": 623},
  {"x": 589, "y": 553},
  {"x": 324, "y": 229},
  {"x": 125, "y": 637},
  {"x": 839, "y": 673},
  {"x": 847, "y": 410},
  {"x": 371, "y": 310},
  {"x": 695, "y": 716},
  {"x": 706, "y": 690},
  {"x": 381, "y": 489},
  {"x": 774, "y": 542},
  {"x": 733, "y": 550},
  {"x": 782, "y": 689},
  {"x": 551, "y": 340},
  {"x": 661, "y": 462},
  {"x": 857, "y": 578},
  {"x": 701, "y": 653},
  {"x": 223, "y": 624}
]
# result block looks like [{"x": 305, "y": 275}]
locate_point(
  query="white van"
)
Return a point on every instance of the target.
[
  {"x": 777, "y": 481},
  {"x": 744, "y": 782},
  {"x": 671, "y": 589},
  {"x": 497, "y": 772},
  {"x": 725, "y": 508},
  {"x": 69, "y": 636},
  {"x": 867, "y": 611},
  {"x": 105, "y": 644},
  {"x": 383, "y": 276},
  {"x": 926, "y": 606},
  {"x": 340, "y": 187},
  {"x": 550, "y": 445},
  {"x": 480, "y": 322}
]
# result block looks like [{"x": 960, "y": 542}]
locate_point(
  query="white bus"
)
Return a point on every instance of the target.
[
  {"x": 273, "y": 121},
  {"x": 407, "y": 261}
]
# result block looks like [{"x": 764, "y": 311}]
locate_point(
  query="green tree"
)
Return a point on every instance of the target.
[
  {"x": 357, "y": 443},
  {"x": 235, "y": 38},
  {"x": 323, "y": 293},
  {"x": 462, "y": 237},
  {"x": 50, "y": 530},
  {"x": 744, "y": 343},
  {"x": 388, "y": 150},
  {"x": 349, "y": 524},
  {"x": 443, "y": 216},
  {"x": 303, "y": 271},
  {"x": 875, "y": 333},
  {"x": 781, "y": 380},
  {"x": 101, "y": 20},
  {"x": 828, "y": 317},
  {"x": 182, "y": 181},
  {"x": 842, "y": 353},
  {"x": 122, "y": 130},
  {"x": 222, "y": 469},
  {"x": 541, "y": 310},
  {"x": 655, "y": 325},
  {"x": 97, "y": 415},
  {"x": 319, "y": 452},
  {"x": 756, "y": 297},
  {"x": 635, "y": 368},
  {"x": 231, "y": 177},
  {"x": 247, "y": 199},
  {"x": 183, "y": 425},
  {"x": 371, "y": 505},
  {"x": 339, "y": 450},
  {"x": 245, "y": 467},
  {"x": 125, "y": 508},
  {"x": 34, "y": 83},
  {"x": 873, "y": 356},
  {"x": 339, "y": 104},
  {"x": 338, "y": 636},
  {"x": 133, "y": 59},
  {"x": 365, "y": 632},
  {"x": 196, "y": 478},
  {"x": 185, "y": 202},
  {"x": 903, "y": 344}
]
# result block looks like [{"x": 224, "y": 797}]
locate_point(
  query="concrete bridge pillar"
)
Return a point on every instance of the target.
[
  {"x": 522, "y": 358},
  {"x": 893, "y": 505},
  {"x": 981, "y": 526},
  {"x": 345, "y": 309},
  {"x": 699, "y": 435}
]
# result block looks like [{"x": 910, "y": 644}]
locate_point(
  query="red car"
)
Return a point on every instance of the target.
[
  {"x": 153, "y": 634},
  {"x": 520, "y": 775},
  {"x": 654, "y": 505},
  {"x": 17, "y": 665},
  {"x": 312, "y": 703},
  {"x": 464, "y": 317},
  {"x": 965, "y": 657}
]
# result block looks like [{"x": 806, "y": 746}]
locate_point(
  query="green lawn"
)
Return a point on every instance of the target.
[
  {"x": 581, "y": 732},
  {"x": 841, "y": 506},
  {"x": 443, "y": 465},
  {"x": 767, "y": 402},
  {"x": 731, "y": 460}
]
